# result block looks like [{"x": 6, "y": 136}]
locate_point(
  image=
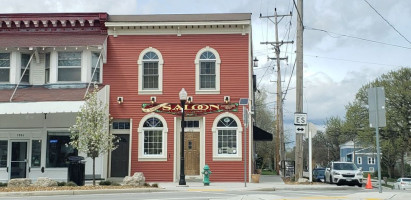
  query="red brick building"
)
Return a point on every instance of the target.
[{"x": 150, "y": 58}]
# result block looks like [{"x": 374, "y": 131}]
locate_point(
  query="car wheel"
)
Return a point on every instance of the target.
[
  {"x": 359, "y": 185},
  {"x": 331, "y": 180}
]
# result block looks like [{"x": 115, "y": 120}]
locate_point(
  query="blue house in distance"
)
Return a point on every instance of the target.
[{"x": 364, "y": 157}]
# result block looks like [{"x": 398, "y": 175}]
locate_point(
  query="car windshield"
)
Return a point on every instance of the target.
[
  {"x": 406, "y": 179},
  {"x": 344, "y": 166}
]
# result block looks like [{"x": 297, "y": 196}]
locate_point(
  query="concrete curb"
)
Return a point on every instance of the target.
[
  {"x": 302, "y": 188},
  {"x": 78, "y": 192}
]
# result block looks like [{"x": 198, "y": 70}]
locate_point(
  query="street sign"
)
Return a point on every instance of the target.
[
  {"x": 300, "y": 118},
  {"x": 300, "y": 129},
  {"x": 376, "y": 107}
]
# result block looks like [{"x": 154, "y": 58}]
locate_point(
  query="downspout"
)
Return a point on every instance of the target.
[{"x": 21, "y": 77}]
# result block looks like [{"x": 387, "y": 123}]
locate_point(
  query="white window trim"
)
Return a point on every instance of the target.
[
  {"x": 10, "y": 69},
  {"x": 372, "y": 159},
  {"x": 141, "y": 156},
  {"x": 359, "y": 160},
  {"x": 371, "y": 169},
  {"x": 217, "y": 72},
  {"x": 100, "y": 66},
  {"x": 82, "y": 57},
  {"x": 160, "y": 72},
  {"x": 234, "y": 157}
]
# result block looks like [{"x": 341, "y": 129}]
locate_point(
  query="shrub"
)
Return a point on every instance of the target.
[
  {"x": 3, "y": 184},
  {"x": 71, "y": 184},
  {"x": 105, "y": 183},
  {"x": 61, "y": 183},
  {"x": 146, "y": 185},
  {"x": 154, "y": 185},
  {"x": 115, "y": 184}
]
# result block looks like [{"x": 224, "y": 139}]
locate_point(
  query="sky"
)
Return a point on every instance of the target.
[{"x": 335, "y": 66}]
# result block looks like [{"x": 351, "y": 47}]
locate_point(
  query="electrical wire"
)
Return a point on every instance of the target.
[
  {"x": 298, "y": 12},
  {"x": 387, "y": 21},
  {"x": 355, "y": 37}
]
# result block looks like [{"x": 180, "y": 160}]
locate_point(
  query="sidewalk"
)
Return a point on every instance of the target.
[{"x": 267, "y": 183}]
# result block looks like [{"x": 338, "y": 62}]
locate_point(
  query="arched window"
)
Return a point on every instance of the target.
[
  {"x": 207, "y": 71},
  {"x": 227, "y": 137},
  {"x": 150, "y": 64},
  {"x": 152, "y": 138}
]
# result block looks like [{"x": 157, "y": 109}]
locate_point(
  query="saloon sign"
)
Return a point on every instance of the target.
[{"x": 190, "y": 109}]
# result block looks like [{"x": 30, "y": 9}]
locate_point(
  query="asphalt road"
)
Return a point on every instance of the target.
[{"x": 205, "y": 195}]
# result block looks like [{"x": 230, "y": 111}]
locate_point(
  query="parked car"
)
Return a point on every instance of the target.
[
  {"x": 318, "y": 174},
  {"x": 343, "y": 173},
  {"x": 403, "y": 184}
]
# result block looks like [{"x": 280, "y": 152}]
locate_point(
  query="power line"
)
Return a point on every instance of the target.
[
  {"x": 289, "y": 81},
  {"x": 387, "y": 21},
  {"x": 298, "y": 12},
  {"x": 354, "y": 61},
  {"x": 355, "y": 37}
]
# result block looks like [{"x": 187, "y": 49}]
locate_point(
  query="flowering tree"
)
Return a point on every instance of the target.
[{"x": 91, "y": 134}]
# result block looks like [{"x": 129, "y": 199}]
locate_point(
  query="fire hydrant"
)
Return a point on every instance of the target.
[{"x": 206, "y": 173}]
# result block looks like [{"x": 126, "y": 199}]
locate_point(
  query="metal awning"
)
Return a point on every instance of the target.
[
  {"x": 261, "y": 135},
  {"x": 40, "y": 107}
]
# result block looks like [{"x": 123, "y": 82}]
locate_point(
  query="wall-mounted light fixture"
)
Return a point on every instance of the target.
[
  {"x": 120, "y": 100},
  {"x": 226, "y": 99},
  {"x": 189, "y": 99},
  {"x": 153, "y": 99},
  {"x": 255, "y": 62}
]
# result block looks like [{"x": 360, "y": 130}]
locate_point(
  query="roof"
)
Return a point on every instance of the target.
[
  {"x": 180, "y": 17},
  {"x": 51, "y": 40},
  {"x": 41, "y": 94}
]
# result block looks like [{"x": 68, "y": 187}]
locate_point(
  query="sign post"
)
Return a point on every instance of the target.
[
  {"x": 300, "y": 122},
  {"x": 244, "y": 102},
  {"x": 376, "y": 106}
]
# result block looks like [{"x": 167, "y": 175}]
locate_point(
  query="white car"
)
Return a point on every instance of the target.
[
  {"x": 403, "y": 184},
  {"x": 343, "y": 173}
]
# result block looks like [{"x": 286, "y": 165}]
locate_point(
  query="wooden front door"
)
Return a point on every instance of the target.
[{"x": 192, "y": 153}]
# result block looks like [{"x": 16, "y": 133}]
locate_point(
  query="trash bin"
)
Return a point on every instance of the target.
[{"x": 76, "y": 170}]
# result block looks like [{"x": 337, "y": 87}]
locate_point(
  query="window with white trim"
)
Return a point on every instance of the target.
[
  {"x": 25, "y": 58},
  {"x": 152, "y": 138},
  {"x": 150, "y": 70},
  {"x": 371, "y": 160},
  {"x": 371, "y": 169},
  {"x": 69, "y": 66},
  {"x": 4, "y": 67},
  {"x": 95, "y": 67},
  {"x": 47, "y": 68},
  {"x": 207, "y": 71},
  {"x": 227, "y": 137},
  {"x": 359, "y": 160}
]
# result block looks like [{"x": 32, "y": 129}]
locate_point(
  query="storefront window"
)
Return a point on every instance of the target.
[
  {"x": 153, "y": 138},
  {"x": 227, "y": 136},
  {"x": 59, "y": 149},
  {"x": 35, "y": 153},
  {"x": 3, "y": 153}
]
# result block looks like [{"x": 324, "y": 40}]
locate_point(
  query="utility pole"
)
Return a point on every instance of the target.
[
  {"x": 280, "y": 146},
  {"x": 299, "y": 91}
]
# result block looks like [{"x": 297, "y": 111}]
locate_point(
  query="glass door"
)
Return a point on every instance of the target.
[{"x": 18, "y": 163}]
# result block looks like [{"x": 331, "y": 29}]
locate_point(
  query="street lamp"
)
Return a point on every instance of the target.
[{"x": 183, "y": 98}]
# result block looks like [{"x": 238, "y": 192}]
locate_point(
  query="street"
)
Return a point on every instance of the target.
[{"x": 205, "y": 194}]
